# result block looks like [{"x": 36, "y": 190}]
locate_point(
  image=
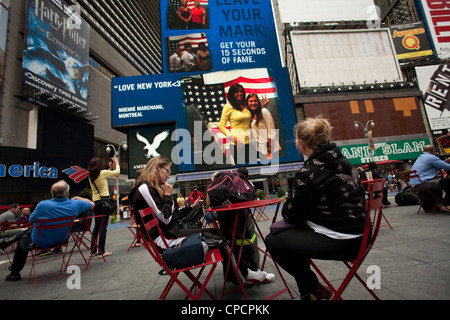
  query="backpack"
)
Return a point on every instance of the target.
[
  {"x": 230, "y": 187},
  {"x": 406, "y": 197}
]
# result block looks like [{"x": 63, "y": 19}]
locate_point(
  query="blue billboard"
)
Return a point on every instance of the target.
[
  {"x": 228, "y": 34},
  {"x": 224, "y": 99}
]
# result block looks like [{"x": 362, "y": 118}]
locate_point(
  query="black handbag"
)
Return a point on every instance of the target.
[
  {"x": 192, "y": 219},
  {"x": 108, "y": 203}
]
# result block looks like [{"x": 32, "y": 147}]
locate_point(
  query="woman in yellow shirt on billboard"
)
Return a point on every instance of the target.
[{"x": 239, "y": 117}]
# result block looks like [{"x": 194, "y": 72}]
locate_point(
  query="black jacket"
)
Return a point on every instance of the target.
[
  {"x": 328, "y": 192},
  {"x": 163, "y": 208}
]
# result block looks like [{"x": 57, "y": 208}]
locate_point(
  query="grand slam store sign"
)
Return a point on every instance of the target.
[{"x": 208, "y": 46}]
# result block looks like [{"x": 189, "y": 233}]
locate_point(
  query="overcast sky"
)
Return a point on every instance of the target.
[{"x": 325, "y": 10}]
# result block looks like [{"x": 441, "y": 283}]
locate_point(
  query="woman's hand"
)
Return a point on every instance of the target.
[
  {"x": 265, "y": 101},
  {"x": 167, "y": 188}
]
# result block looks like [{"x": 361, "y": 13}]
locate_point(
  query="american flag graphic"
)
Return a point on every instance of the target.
[
  {"x": 76, "y": 173},
  {"x": 190, "y": 3},
  {"x": 209, "y": 98},
  {"x": 179, "y": 41}
]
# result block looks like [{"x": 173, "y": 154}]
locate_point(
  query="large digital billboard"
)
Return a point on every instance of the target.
[
  {"x": 56, "y": 54},
  {"x": 216, "y": 54},
  {"x": 190, "y": 109},
  {"x": 224, "y": 35}
]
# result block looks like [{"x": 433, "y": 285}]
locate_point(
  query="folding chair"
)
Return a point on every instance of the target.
[
  {"x": 364, "y": 183},
  {"x": 78, "y": 232},
  {"x": 84, "y": 235},
  {"x": 46, "y": 225},
  {"x": 212, "y": 258},
  {"x": 14, "y": 225},
  {"x": 258, "y": 213},
  {"x": 134, "y": 229},
  {"x": 374, "y": 205},
  {"x": 427, "y": 195}
]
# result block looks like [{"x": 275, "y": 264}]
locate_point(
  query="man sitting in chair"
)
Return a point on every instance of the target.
[
  {"x": 59, "y": 206},
  {"x": 427, "y": 166}
]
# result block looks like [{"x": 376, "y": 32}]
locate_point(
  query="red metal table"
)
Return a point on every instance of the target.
[{"x": 255, "y": 205}]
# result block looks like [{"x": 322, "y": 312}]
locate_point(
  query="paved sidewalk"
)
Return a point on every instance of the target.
[{"x": 413, "y": 259}]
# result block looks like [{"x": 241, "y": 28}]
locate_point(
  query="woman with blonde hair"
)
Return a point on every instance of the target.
[
  {"x": 151, "y": 189},
  {"x": 325, "y": 209}
]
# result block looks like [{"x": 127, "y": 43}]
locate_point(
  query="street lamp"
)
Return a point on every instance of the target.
[
  {"x": 109, "y": 148},
  {"x": 367, "y": 133}
]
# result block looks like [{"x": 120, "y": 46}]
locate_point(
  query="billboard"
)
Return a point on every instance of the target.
[
  {"x": 411, "y": 41},
  {"x": 326, "y": 10},
  {"x": 56, "y": 54},
  {"x": 344, "y": 57},
  {"x": 214, "y": 54},
  {"x": 436, "y": 17},
  {"x": 190, "y": 109},
  {"x": 224, "y": 35},
  {"x": 434, "y": 82}
]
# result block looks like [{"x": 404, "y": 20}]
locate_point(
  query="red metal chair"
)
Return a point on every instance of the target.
[
  {"x": 374, "y": 205},
  {"x": 212, "y": 258},
  {"x": 427, "y": 195},
  {"x": 258, "y": 214},
  {"x": 134, "y": 229},
  {"x": 364, "y": 183},
  {"x": 46, "y": 225}
]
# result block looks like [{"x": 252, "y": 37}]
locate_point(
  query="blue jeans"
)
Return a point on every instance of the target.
[{"x": 99, "y": 234}]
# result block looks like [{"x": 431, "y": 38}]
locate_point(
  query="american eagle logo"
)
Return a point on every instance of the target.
[{"x": 151, "y": 147}]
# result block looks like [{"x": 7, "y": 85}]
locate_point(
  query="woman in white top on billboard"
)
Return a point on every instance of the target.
[{"x": 264, "y": 133}]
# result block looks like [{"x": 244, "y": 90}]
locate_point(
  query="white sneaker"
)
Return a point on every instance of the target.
[
  {"x": 256, "y": 277},
  {"x": 269, "y": 278}
]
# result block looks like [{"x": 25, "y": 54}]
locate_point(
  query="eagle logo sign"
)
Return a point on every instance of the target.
[{"x": 151, "y": 148}]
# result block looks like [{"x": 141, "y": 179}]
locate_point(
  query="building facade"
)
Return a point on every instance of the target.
[{"x": 44, "y": 138}]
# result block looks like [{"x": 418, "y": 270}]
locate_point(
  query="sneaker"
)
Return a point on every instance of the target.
[
  {"x": 256, "y": 277},
  {"x": 13, "y": 277},
  {"x": 4, "y": 245},
  {"x": 269, "y": 277},
  {"x": 445, "y": 208},
  {"x": 43, "y": 253}
]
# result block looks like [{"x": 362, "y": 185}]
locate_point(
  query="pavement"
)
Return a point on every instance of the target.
[{"x": 412, "y": 258}]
